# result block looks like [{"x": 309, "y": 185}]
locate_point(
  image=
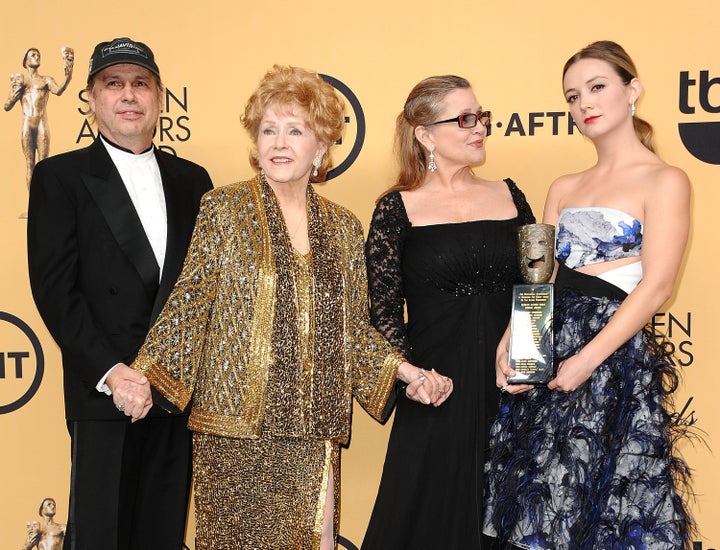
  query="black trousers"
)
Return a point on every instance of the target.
[{"x": 129, "y": 484}]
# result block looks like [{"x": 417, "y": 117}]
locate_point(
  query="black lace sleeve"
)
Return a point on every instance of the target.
[
  {"x": 525, "y": 213},
  {"x": 383, "y": 255}
]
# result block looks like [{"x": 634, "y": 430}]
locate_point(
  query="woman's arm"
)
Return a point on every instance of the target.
[
  {"x": 173, "y": 347},
  {"x": 383, "y": 257},
  {"x": 665, "y": 231}
]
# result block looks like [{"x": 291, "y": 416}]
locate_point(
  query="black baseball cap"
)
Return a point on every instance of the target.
[{"x": 122, "y": 50}]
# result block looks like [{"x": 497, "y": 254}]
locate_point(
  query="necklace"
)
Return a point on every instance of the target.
[{"x": 297, "y": 227}]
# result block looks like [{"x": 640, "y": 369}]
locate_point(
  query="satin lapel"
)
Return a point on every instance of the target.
[
  {"x": 177, "y": 215},
  {"x": 113, "y": 200}
]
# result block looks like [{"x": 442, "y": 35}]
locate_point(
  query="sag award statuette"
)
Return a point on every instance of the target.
[{"x": 531, "y": 337}]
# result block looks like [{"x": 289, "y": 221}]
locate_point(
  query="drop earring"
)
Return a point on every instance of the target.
[
  {"x": 632, "y": 109},
  {"x": 316, "y": 164},
  {"x": 431, "y": 165}
]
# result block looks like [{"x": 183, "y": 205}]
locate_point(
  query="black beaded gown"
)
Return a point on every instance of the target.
[{"x": 456, "y": 281}]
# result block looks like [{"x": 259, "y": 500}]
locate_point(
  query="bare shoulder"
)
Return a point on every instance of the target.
[
  {"x": 494, "y": 184},
  {"x": 565, "y": 183},
  {"x": 561, "y": 188},
  {"x": 411, "y": 197},
  {"x": 672, "y": 175},
  {"x": 667, "y": 180}
]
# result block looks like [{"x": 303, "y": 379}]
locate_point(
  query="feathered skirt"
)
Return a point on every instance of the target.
[{"x": 594, "y": 468}]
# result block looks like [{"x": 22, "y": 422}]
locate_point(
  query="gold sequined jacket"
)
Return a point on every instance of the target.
[{"x": 228, "y": 336}]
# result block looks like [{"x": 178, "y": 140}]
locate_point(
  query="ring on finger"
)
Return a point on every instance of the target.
[
  {"x": 120, "y": 407},
  {"x": 503, "y": 389}
]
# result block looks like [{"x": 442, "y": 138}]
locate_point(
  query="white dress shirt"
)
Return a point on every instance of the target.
[{"x": 141, "y": 176}]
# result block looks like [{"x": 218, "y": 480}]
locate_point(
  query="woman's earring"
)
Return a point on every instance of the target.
[
  {"x": 632, "y": 109},
  {"x": 316, "y": 164},
  {"x": 431, "y": 165}
]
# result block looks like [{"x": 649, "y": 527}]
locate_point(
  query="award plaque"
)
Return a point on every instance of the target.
[{"x": 531, "y": 337}]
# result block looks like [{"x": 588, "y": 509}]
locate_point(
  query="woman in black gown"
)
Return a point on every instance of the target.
[{"x": 442, "y": 243}]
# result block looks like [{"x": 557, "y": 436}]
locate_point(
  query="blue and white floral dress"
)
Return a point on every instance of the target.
[{"x": 593, "y": 468}]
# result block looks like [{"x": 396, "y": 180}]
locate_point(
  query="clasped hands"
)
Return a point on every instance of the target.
[
  {"x": 425, "y": 386},
  {"x": 130, "y": 391}
]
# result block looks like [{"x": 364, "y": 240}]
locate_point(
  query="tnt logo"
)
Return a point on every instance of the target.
[
  {"x": 345, "y": 543},
  {"x": 357, "y": 120},
  {"x": 21, "y": 363},
  {"x": 701, "y": 139}
]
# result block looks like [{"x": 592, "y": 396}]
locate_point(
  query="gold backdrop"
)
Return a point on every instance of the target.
[{"x": 212, "y": 54}]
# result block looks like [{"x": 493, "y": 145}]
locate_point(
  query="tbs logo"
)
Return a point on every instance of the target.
[{"x": 701, "y": 139}]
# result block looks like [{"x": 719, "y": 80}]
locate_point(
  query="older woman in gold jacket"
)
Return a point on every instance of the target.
[{"x": 267, "y": 331}]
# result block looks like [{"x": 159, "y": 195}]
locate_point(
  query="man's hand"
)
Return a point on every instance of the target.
[{"x": 130, "y": 391}]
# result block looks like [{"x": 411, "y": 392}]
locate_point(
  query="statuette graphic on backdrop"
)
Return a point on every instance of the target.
[
  {"x": 45, "y": 534},
  {"x": 32, "y": 91}
]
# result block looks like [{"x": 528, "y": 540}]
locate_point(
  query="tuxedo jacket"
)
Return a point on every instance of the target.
[{"x": 93, "y": 274}]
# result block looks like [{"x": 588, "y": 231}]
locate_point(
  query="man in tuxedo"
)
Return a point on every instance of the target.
[{"x": 108, "y": 229}]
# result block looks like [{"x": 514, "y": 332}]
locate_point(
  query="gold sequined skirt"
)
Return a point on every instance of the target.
[{"x": 259, "y": 494}]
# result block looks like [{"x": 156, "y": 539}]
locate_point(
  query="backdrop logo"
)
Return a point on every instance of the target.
[
  {"x": 701, "y": 139},
  {"x": 358, "y": 122},
  {"x": 31, "y": 91},
  {"x": 21, "y": 363},
  {"x": 676, "y": 331},
  {"x": 345, "y": 543},
  {"x": 536, "y": 122}
]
